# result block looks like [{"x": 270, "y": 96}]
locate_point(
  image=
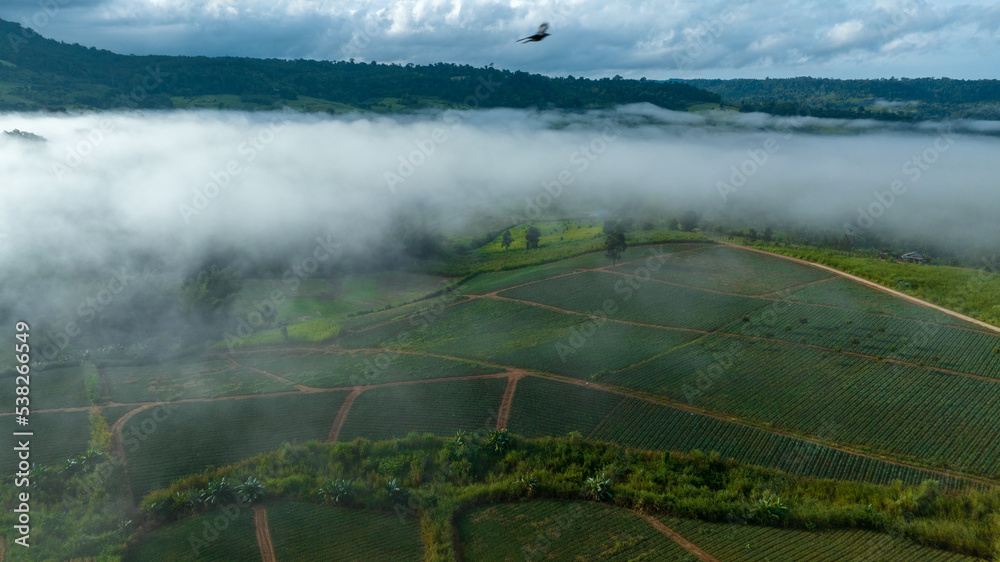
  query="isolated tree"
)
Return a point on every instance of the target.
[
  {"x": 752, "y": 234},
  {"x": 531, "y": 237},
  {"x": 212, "y": 290},
  {"x": 768, "y": 234},
  {"x": 689, "y": 221},
  {"x": 507, "y": 239},
  {"x": 615, "y": 245}
]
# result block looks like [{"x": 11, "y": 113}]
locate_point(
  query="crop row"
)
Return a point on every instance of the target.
[
  {"x": 442, "y": 408},
  {"x": 897, "y": 338},
  {"x": 547, "y": 407},
  {"x": 303, "y": 531},
  {"x": 637, "y": 300}
]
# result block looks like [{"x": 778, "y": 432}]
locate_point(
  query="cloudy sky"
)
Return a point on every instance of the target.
[{"x": 593, "y": 38}]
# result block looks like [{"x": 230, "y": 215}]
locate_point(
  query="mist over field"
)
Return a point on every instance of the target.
[{"x": 165, "y": 192}]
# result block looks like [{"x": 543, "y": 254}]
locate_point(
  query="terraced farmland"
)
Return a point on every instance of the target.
[
  {"x": 550, "y": 529},
  {"x": 935, "y": 345},
  {"x": 644, "y": 425},
  {"x": 547, "y": 407},
  {"x": 57, "y": 437},
  {"x": 318, "y": 368},
  {"x": 524, "y": 336},
  {"x": 722, "y": 268},
  {"x": 51, "y": 388},
  {"x": 235, "y": 542},
  {"x": 172, "y": 440},
  {"x": 903, "y": 411},
  {"x": 750, "y": 543},
  {"x": 442, "y": 408},
  {"x": 636, "y": 300},
  {"x": 194, "y": 377},
  {"x": 304, "y": 531}
]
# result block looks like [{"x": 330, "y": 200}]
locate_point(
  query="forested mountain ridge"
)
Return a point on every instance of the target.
[
  {"x": 39, "y": 73},
  {"x": 885, "y": 98}
]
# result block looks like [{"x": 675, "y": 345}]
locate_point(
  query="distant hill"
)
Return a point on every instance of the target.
[
  {"x": 885, "y": 98},
  {"x": 39, "y": 73}
]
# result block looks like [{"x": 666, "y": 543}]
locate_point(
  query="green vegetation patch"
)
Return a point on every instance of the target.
[
  {"x": 57, "y": 437},
  {"x": 61, "y": 387},
  {"x": 916, "y": 415},
  {"x": 525, "y": 336},
  {"x": 323, "y": 369},
  {"x": 723, "y": 268},
  {"x": 223, "y": 534},
  {"x": 169, "y": 441},
  {"x": 637, "y": 300},
  {"x": 193, "y": 377},
  {"x": 563, "y": 530},
  {"x": 303, "y": 531},
  {"x": 442, "y": 408},
  {"x": 547, "y": 407},
  {"x": 738, "y": 542}
]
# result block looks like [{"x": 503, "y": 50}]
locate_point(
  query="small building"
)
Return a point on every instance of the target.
[{"x": 913, "y": 257}]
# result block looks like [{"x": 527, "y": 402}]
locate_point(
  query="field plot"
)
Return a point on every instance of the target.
[
  {"x": 722, "y": 268},
  {"x": 635, "y": 300},
  {"x": 112, "y": 413},
  {"x": 194, "y": 377},
  {"x": 494, "y": 281},
  {"x": 50, "y": 389},
  {"x": 236, "y": 541},
  {"x": 542, "y": 407},
  {"x": 644, "y": 425},
  {"x": 896, "y": 338},
  {"x": 303, "y": 531},
  {"x": 325, "y": 370},
  {"x": 167, "y": 442},
  {"x": 562, "y": 530},
  {"x": 749, "y": 543},
  {"x": 442, "y": 408},
  {"x": 57, "y": 437},
  {"x": 844, "y": 293},
  {"x": 525, "y": 336}
]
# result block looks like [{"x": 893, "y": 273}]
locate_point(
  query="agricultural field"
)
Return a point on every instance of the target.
[
  {"x": 304, "y": 531},
  {"x": 934, "y": 345},
  {"x": 644, "y": 425},
  {"x": 57, "y": 437},
  {"x": 524, "y": 336},
  {"x": 318, "y": 368},
  {"x": 734, "y": 542},
  {"x": 721, "y": 268},
  {"x": 844, "y": 293},
  {"x": 61, "y": 387},
  {"x": 897, "y": 410},
  {"x": 192, "y": 377},
  {"x": 547, "y": 407},
  {"x": 563, "y": 530},
  {"x": 635, "y": 300},
  {"x": 442, "y": 408},
  {"x": 235, "y": 542},
  {"x": 172, "y": 440}
]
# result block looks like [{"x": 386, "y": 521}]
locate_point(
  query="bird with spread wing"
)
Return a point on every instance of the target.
[{"x": 538, "y": 36}]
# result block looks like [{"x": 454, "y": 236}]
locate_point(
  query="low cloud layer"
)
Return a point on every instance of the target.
[{"x": 842, "y": 39}]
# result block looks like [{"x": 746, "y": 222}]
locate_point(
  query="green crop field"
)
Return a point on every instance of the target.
[
  {"x": 322, "y": 369},
  {"x": 562, "y": 530},
  {"x": 303, "y": 531},
  {"x": 546, "y": 407},
  {"x": 193, "y": 377},
  {"x": 170, "y": 441},
  {"x": 726, "y": 269},
  {"x": 644, "y": 425},
  {"x": 57, "y": 436},
  {"x": 223, "y": 535},
  {"x": 844, "y": 293},
  {"x": 442, "y": 408},
  {"x": 50, "y": 388},
  {"x": 902, "y": 411},
  {"x": 524, "y": 336},
  {"x": 935, "y": 345},
  {"x": 636, "y": 300},
  {"x": 735, "y": 542}
]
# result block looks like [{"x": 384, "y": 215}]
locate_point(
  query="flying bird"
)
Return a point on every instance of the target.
[{"x": 538, "y": 36}]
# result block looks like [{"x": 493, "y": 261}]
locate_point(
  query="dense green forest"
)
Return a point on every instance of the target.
[
  {"x": 39, "y": 73},
  {"x": 885, "y": 98}
]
